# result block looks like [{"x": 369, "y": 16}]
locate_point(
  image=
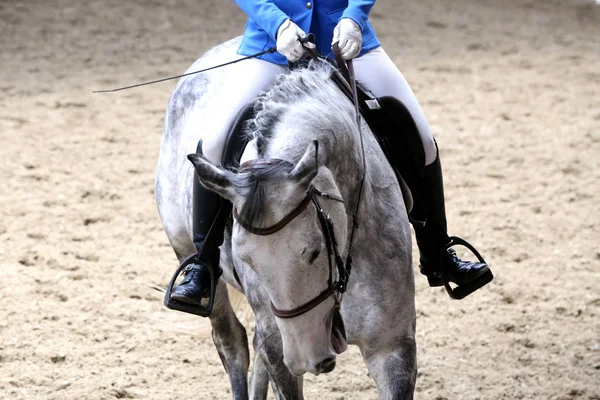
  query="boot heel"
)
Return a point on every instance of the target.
[{"x": 435, "y": 281}]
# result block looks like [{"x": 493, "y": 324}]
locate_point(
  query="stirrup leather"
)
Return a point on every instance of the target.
[
  {"x": 462, "y": 291},
  {"x": 203, "y": 311}
]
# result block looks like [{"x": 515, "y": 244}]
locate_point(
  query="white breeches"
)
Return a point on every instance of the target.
[{"x": 374, "y": 70}]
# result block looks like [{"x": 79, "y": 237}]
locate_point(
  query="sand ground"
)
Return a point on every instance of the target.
[{"x": 512, "y": 91}]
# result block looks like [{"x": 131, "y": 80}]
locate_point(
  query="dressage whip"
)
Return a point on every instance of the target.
[
  {"x": 271, "y": 50},
  {"x": 309, "y": 38}
]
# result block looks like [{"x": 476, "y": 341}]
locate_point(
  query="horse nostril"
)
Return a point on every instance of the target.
[{"x": 327, "y": 365}]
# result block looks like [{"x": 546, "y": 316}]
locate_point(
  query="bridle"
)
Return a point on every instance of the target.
[{"x": 335, "y": 289}]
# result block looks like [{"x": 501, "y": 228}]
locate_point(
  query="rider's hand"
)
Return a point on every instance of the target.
[
  {"x": 348, "y": 35},
  {"x": 288, "y": 43}
]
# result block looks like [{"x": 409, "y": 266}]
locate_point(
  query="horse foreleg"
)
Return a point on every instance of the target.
[
  {"x": 259, "y": 380},
  {"x": 394, "y": 369},
  {"x": 229, "y": 336},
  {"x": 267, "y": 341}
]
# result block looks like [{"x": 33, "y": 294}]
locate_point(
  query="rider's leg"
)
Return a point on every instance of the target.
[
  {"x": 377, "y": 72},
  {"x": 210, "y": 211}
]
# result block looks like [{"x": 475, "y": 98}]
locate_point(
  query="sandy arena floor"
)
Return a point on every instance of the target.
[{"x": 512, "y": 91}]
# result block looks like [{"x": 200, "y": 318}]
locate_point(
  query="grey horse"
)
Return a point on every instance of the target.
[{"x": 305, "y": 143}]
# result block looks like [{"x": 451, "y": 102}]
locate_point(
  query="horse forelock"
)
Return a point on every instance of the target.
[{"x": 252, "y": 184}]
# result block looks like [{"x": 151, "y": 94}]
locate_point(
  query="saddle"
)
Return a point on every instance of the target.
[{"x": 398, "y": 136}]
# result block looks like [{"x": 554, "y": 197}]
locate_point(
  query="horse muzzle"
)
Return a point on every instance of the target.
[
  {"x": 323, "y": 367},
  {"x": 311, "y": 351}
]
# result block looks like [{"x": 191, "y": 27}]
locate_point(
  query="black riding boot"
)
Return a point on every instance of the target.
[
  {"x": 201, "y": 270},
  {"x": 404, "y": 150},
  {"x": 439, "y": 262},
  {"x": 210, "y": 212}
]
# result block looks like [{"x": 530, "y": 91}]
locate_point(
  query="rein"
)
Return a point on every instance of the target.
[{"x": 348, "y": 73}]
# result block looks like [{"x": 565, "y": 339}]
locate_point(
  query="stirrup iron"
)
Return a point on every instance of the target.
[
  {"x": 203, "y": 311},
  {"x": 462, "y": 291}
]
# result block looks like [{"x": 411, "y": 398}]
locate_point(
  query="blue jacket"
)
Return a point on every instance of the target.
[{"x": 312, "y": 16}]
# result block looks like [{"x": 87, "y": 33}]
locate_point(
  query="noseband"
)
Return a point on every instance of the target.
[{"x": 334, "y": 289}]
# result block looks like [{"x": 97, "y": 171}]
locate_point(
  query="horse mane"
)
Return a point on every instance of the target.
[
  {"x": 307, "y": 90},
  {"x": 311, "y": 82}
]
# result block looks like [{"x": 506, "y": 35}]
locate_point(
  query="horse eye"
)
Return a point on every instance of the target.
[{"x": 313, "y": 256}]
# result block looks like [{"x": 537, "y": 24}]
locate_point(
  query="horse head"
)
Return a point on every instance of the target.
[{"x": 289, "y": 244}]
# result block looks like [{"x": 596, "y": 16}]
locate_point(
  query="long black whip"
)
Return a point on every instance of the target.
[
  {"x": 309, "y": 38},
  {"x": 271, "y": 50}
]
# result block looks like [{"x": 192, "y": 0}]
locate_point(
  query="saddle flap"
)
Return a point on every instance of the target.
[{"x": 236, "y": 138}]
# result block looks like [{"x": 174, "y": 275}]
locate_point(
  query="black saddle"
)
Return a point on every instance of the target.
[
  {"x": 237, "y": 139},
  {"x": 395, "y": 130}
]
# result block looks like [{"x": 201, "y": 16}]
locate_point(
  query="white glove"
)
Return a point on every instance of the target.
[
  {"x": 288, "y": 43},
  {"x": 348, "y": 35}
]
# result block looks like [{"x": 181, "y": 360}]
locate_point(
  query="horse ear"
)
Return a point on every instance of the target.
[
  {"x": 308, "y": 166},
  {"x": 212, "y": 177}
]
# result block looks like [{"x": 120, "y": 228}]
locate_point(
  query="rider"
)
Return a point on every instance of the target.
[{"x": 282, "y": 23}]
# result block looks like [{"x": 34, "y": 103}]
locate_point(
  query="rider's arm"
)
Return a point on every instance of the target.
[
  {"x": 358, "y": 11},
  {"x": 265, "y": 13}
]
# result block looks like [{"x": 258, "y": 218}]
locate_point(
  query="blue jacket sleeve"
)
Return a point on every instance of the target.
[
  {"x": 358, "y": 11},
  {"x": 265, "y": 13}
]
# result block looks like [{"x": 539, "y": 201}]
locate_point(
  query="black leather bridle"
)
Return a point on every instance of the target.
[{"x": 335, "y": 289}]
